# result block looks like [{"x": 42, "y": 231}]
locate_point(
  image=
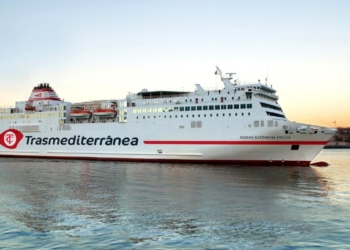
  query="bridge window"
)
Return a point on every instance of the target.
[
  {"x": 265, "y": 105},
  {"x": 274, "y": 114},
  {"x": 249, "y": 106}
]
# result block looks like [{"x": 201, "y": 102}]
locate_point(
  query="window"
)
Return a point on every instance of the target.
[
  {"x": 262, "y": 123},
  {"x": 229, "y": 106},
  {"x": 193, "y": 108},
  {"x": 205, "y": 107},
  {"x": 217, "y": 107},
  {"x": 217, "y": 114},
  {"x": 223, "y": 106},
  {"x": 211, "y": 107},
  {"x": 187, "y": 108},
  {"x": 274, "y": 114},
  {"x": 256, "y": 123},
  {"x": 270, "y": 123},
  {"x": 249, "y": 106},
  {"x": 199, "y": 107},
  {"x": 182, "y": 108},
  {"x": 236, "y": 106},
  {"x": 242, "y": 114},
  {"x": 265, "y": 105},
  {"x": 242, "y": 106}
]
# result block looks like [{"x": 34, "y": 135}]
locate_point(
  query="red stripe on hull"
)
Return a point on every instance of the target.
[
  {"x": 237, "y": 142},
  {"x": 234, "y": 162}
]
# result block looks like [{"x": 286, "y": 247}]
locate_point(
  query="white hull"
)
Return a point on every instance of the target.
[{"x": 172, "y": 144}]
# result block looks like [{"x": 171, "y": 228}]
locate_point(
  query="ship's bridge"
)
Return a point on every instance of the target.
[{"x": 258, "y": 90}]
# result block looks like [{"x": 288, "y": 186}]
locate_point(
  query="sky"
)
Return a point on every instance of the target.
[{"x": 92, "y": 50}]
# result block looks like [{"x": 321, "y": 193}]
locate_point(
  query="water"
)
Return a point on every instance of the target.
[{"x": 116, "y": 205}]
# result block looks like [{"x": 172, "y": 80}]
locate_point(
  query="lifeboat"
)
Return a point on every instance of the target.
[
  {"x": 105, "y": 112},
  {"x": 29, "y": 107},
  {"x": 80, "y": 113}
]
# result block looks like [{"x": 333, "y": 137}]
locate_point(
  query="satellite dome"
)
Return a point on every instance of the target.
[{"x": 144, "y": 90}]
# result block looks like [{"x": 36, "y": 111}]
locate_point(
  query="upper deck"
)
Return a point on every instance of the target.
[{"x": 234, "y": 99}]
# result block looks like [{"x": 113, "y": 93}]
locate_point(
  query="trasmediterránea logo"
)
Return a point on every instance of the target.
[{"x": 10, "y": 138}]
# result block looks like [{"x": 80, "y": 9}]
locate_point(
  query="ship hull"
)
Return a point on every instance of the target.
[{"x": 221, "y": 143}]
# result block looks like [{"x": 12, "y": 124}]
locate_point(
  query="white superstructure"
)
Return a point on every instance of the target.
[{"x": 240, "y": 123}]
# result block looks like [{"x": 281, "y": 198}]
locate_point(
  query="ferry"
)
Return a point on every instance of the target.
[{"x": 236, "y": 124}]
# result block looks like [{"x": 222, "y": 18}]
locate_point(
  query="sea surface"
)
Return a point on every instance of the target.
[{"x": 47, "y": 204}]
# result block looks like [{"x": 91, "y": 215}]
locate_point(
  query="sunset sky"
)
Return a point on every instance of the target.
[{"x": 104, "y": 49}]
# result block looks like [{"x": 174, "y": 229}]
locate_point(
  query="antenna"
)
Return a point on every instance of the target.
[
  {"x": 218, "y": 71},
  {"x": 230, "y": 74}
]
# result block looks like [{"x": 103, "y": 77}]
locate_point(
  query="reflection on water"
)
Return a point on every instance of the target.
[{"x": 121, "y": 205}]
